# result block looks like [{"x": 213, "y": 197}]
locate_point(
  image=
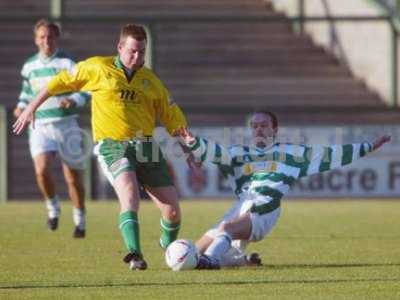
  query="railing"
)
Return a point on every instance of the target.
[
  {"x": 392, "y": 6},
  {"x": 390, "y": 18},
  {"x": 3, "y": 154},
  {"x": 297, "y": 21}
]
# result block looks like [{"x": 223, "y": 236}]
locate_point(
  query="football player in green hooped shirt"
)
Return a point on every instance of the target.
[
  {"x": 260, "y": 175},
  {"x": 127, "y": 100},
  {"x": 57, "y": 119}
]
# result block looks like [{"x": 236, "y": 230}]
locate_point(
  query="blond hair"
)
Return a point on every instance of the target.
[{"x": 50, "y": 25}]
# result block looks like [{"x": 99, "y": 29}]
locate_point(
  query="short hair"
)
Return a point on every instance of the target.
[
  {"x": 46, "y": 23},
  {"x": 134, "y": 31},
  {"x": 273, "y": 117}
]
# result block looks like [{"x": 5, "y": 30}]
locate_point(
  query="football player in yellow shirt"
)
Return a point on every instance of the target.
[{"x": 127, "y": 100}]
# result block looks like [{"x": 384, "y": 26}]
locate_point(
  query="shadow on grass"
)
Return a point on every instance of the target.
[
  {"x": 211, "y": 283},
  {"x": 323, "y": 266}
]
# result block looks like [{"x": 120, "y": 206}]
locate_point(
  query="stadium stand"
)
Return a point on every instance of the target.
[
  {"x": 27, "y": 8},
  {"x": 216, "y": 71}
]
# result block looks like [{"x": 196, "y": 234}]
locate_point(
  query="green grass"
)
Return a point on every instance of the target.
[{"x": 318, "y": 250}]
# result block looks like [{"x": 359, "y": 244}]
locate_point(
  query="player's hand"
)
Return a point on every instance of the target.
[
  {"x": 67, "y": 103},
  {"x": 185, "y": 136},
  {"x": 18, "y": 111},
  {"x": 26, "y": 116},
  {"x": 380, "y": 141}
]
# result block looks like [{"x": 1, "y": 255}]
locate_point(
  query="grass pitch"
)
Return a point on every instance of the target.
[{"x": 318, "y": 250}]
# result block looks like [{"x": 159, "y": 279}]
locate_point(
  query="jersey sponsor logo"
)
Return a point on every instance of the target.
[
  {"x": 129, "y": 96},
  {"x": 262, "y": 167},
  {"x": 247, "y": 169}
]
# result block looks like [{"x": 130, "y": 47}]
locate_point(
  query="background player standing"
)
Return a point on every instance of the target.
[{"x": 56, "y": 121}]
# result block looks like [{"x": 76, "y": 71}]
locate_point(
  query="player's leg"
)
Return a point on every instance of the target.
[
  {"x": 166, "y": 199},
  {"x": 234, "y": 229},
  {"x": 209, "y": 237},
  {"x": 237, "y": 257},
  {"x": 67, "y": 134},
  {"x": 233, "y": 257},
  {"x": 260, "y": 225},
  {"x": 43, "y": 147},
  {"x": 220, "y": 250},
  {"x": 73, "y": 178},
  {"x": 42, "y": 164},
  {"x": 127, "y": 190},
  {"x": 153, "y": 173},
  {"x": 121, "y": 174},
  {"x": 204, "y": 242}
]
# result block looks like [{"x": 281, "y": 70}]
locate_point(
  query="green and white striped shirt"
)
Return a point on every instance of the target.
[
  {"x": 36, "y": 73},
  {"x": 269, "y": 172}
]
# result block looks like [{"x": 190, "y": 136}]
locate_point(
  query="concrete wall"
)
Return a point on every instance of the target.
[{"x": 365, "y": 46}]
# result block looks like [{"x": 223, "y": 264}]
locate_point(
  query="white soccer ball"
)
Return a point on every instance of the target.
[{"x": 181, "y": 255}]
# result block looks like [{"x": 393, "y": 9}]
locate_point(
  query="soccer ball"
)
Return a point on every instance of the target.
[{"x": 181, "y": 255}]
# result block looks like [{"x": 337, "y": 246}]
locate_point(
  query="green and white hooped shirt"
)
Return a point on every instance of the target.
[
  {"x": 36, "y": 73},
  {"x": 269, "y": 172}
]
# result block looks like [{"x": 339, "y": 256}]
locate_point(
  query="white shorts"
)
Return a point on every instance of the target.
[
  {"x": 261, "y": 225},
  {"x": 63, "y": 137}
]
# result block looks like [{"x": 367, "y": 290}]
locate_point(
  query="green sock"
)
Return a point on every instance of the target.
[
  {"x": 129, "y": 226},
  {"x": 169, "y": 232}
]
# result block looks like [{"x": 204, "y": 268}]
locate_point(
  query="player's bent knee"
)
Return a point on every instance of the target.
[
  {"x": 224, "y": 227},
  {"x": 42, "y": 173},
  {"x": 173, "y": 214},
  {"x": 72, "y": 180}
]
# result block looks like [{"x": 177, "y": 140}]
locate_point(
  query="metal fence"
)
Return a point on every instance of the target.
[
  {"x": 297, "y": 21},
  {"x": 3, "y": 154}
]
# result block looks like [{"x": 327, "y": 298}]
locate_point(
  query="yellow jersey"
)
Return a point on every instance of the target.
[{"x": 122, "y": 109}]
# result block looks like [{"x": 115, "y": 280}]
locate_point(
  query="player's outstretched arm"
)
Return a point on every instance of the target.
[
  {"x": 203, "y": 149},
  {"x": 186, "y": 137},
  {"x": 380, "y": 141},
  {"x": 321, "y": 159},
  {"x": 28, "y": 115}
]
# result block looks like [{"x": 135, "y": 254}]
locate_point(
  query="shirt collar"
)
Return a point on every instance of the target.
[
  {"x": 118, "y": 63},
  {"x": 46, "y": 59},
  {"x": 128, "y": 73}
]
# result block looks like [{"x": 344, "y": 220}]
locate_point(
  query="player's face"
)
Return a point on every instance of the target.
[
  {"x": 262, "y": 130},
  {"x": 131, "y": 53},
  {"x": 46, "y": 40}
]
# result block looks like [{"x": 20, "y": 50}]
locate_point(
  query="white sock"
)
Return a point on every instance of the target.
[
  {"x": 233, "y": 258},
  {"x": 219, "y": 247},
  {"x": 53, "y": 207},
  {"x": 78, "y": 215}
]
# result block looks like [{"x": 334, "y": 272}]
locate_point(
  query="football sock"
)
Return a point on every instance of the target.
[
  {"x": 219, "y": 247},
  {"x": 129, "y": 226},
  {"x": 169, "y": 232},
  {"x": 233, "y": 258},
  {"x": 53, "y": 207},
  {"x": 78, "y": 215}
]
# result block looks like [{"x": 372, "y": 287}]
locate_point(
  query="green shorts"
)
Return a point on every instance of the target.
[{"x": 141, "y": 156}]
